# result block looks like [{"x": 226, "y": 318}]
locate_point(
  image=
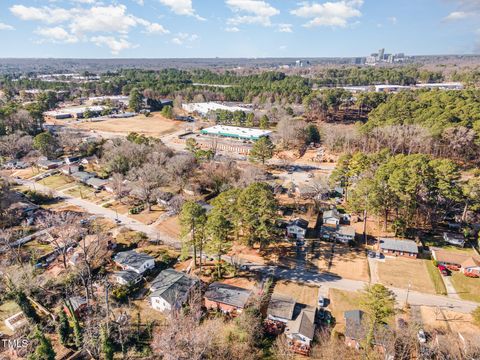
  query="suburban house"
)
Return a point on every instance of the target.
[
  {"x": 226, "y": 298},
  {"x": 134, "y": 261},
  {"x": 301, "y": 331},
  {"x": 171, "y": 289},
  {"x": 454, "y": 239},
  {"x": 297, "y": 229},
  {"x": 471, "y": 266},
  {"x": 331, "y": 217},
  {"x": 280, "y": 309},
  {"x": 127, "y": 277},
  {"x": 467, "y": 264},
  {"x": 328, "y": 231},
  {"x": 96, "y": 183},
  {"x": 70, "y": 169},
  {"x": 345, "y": 234},
  {"x": 354, "y": 327},
  {"x": 48, "y": 164},
  {"x": 399, "y": 247},
  {"x": 82, "y": 176},
  {"x": 78, "y": 305}
]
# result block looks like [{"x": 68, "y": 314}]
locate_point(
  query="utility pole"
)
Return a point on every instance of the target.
[
  {"x": 408, "y": 293},
  {"x": 107, "y": 286}
]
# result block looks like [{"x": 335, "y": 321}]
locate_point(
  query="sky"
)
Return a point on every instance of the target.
[{"x": 236, "y": 28}]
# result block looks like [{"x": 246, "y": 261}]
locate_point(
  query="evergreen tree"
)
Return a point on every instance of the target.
[
  {"x": 26, "y": 306},
  {"x": 167, "y": 112},
  {"x": 44, "y": 349},
  {"x": 106, "y": 344},
  {"x": 136, "y": 100},
  {"x": 192, "y": 221},
  {"x": 63, "y": 328},
  {"x": 262, "y": 150},
  {"x": 46, "y": 143},
  {"x": 264, "y": 122}
]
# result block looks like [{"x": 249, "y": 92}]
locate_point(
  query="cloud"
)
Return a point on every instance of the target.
[
  {"x": 4, "y": 26},
  {"x": 182, "y": 7},
  {"x": 75, "y": 24},
  {"x": 251, "y": 12},
  {"x": 116, "y": 45},
  {"x": 285, "y": 28},
  {"x": 232, "y": 29},
  {"x": 457, "y": 15},
  {"x": 334, "y": 14},
  {"x": 56, "y": 34},
  {"x": 393, "y": 20},
  {"x": 184, "y": 38}
]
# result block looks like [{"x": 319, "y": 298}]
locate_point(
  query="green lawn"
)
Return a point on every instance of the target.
[
  {"x": 7, "y": 309},
  {"x": 467, "y": 288},
  {"x": 56, "y": 181},
  {"x": 436, "y": 278}
]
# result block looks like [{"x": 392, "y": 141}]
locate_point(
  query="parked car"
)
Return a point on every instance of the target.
[
  {"x": 421, "y": 336},
  {"x": 443, "y": 270},
  {"x": 379, "y": 255},
  {"x": 371, "y": 254},
  {"x": 322, "y": 301}
]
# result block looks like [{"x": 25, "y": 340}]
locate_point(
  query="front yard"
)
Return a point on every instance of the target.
[
  {"x": 348, "y": 263},
  {"x": 467, "y": 288},
  {"x": 401, "y": 273},
  {"x": 301, "y": 293}
]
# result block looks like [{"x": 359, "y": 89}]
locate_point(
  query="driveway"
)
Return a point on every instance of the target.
[{"x": 451, "y": 292}]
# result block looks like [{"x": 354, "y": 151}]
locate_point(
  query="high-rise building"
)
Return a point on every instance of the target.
[{"x": 381, "y": 54}]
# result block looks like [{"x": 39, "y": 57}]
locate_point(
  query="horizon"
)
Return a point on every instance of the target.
[{"x": 188, "y": 29}]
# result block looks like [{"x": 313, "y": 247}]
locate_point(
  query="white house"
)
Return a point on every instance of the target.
[
  {"x": 127, "y": 277},
  {"x": 454, "y": 239},
  {"x": 171, "y": 289},
  {"x": 133, "y": 261},
  {"x": 297, "y": 229},
  {"x": 345, "y": 234},
  {"x": 331, "y": 217}
]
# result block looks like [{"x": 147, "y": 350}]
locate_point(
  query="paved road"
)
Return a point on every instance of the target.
[{"x": 152, "y": 232}]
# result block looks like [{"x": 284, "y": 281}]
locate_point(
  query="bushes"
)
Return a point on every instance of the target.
[
  {"x": 136, "y": 210},
  {"x": 37, "y": 197}
]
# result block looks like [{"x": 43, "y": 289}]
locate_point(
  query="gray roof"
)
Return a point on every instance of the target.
[
  {"x": 331, "y": 214},
  {"x": 304, "y": 324},
  {"x": 128, "y": 275},
  {"x": 300, "y": 223},
  {"x": 132, "y": 258},
  {"x": 346, "y": 231},
  {"x": 354, "y": 328},
  {"x": 228, "y": 294},
  {"x": 96, "y": 182},
  {"x": 82, "y": 175},
  {"x": 399, "y": 245},
  {"x": 172, "y": 285},
  {"x": 281, "y": 307},
  {"x": 77, "y": 302}
]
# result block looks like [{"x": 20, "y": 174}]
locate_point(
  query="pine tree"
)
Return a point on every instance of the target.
[
  {"x": 63, "y": 328},
  {"x": 106, "y": 343},
  {"x": 262, "y": 150},
  {"x": 44, "y": 350}
]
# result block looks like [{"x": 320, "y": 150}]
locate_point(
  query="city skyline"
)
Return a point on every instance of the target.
[{"x": 236, "y": 28}]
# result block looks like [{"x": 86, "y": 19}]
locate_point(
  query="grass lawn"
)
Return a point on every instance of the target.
[
  {"x": 467, "y": 288},
  {"x": 347, "y": 262},
  {"x": 436, "y": 278},
  {"x": 80, "y": 191},
  {"x": 149, "y": 217},
  {"x": 342, "y": 301},
  {"x": 401, "y": 272},
  {"x": 302, "y": 293},
  {"x": 7, "y": 309},
  {"x": 56, "y": 181}
]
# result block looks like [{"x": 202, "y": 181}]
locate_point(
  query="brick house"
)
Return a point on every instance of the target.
[
  {"x": 399, "y": 247},
  {"x": 226, "y": 298}
]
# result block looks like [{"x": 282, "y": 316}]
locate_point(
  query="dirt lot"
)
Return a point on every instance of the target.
[
  {"x": 303, "y": 294},
  {"x": 171, "y": 227},
  {"x": 155, "y": 125},
  {"x": 467, "y": 288},
  {"x": 448, "y": 320},
  {"x": 400, "y": 272},
  {"x": 346, "y": 262}
]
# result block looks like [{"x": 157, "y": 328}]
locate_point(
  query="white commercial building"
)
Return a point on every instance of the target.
[
  {"x": 236, "y": 132},
  {"x": 204, "y": 108}
]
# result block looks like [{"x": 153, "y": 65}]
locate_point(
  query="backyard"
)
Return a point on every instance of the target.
[{"x": 342, "y": 301}]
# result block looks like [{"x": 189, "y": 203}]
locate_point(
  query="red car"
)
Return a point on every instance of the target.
[{"x": 443, "y": 270}]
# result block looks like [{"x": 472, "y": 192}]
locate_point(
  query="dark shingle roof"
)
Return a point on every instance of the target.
[
  {"x": 128, "y": 275},
  {"x": 281, "y": 307},
  {"x": 300, "y": 223},
  {"x": 228, "y": 294},
  {"x": 132, "y": 258},
  {"x": 399, "y": 245},
  {"x": 172, "y": 285}
]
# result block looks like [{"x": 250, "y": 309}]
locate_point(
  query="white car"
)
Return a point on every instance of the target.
[
  {"x": 321, "y": 301},
  {"x": 422, "y": 338}
]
